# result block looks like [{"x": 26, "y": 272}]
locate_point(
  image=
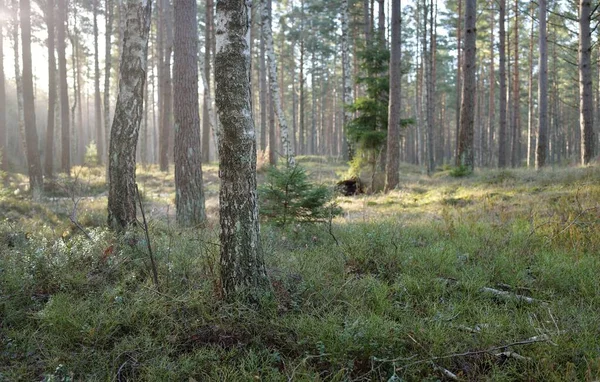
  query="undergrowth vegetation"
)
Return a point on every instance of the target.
[{"x": 440, "y": 276}]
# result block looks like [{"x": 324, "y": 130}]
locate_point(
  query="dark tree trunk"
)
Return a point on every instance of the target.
[
  {"x": 128, "y": 116},
  {"x": 31, "y": 138},
  {"x": 97, "y": 98},
  {"x": 167, "y": 85},
  {"x": 243, "y": 272},
  {"x": 586, "y": 101},
  {"x": 465, "y": 156},
  {"x": 502, "y": 143},
  {"x": 208, "y": 35},
  {"x": 542, "y": 144},
  {"x": 189, "y": 196},
  {"x": 108, "y": 12},
  {"x": 49, "y": 164},
  {"x": 392, "y": 165}
]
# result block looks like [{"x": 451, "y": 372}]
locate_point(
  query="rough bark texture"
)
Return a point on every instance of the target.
[
  {"x": 207, "y": 104},
  {"x": 262, "y": 97},
  {"x": 487, "y": 152},
  {"x": 189, "y": 196},
  {"x": 542, "y": 144},
  {"x": 108, "y": 12},
  {"x": 65, "y": 132},
  {"x": 530, "y": 96},
  {"x": 288, "y": 150},
  {"x": 243, "y": 272},
  {"x": 347, "y": 78},
  {"x": 430, "y": 83},
  {"x": 3, "y": 156},
  {"x": 128, "y": 116},
  {"x": 167, "y": 86},
  {"x": 586, "y": 100},
  {"x": 502, "y": 144},
  {"x": 465, "y": 156},
  {"x": 49, "y": 159},
  {"x": 392, "y": 165},
  {"x": 97, "y": 98},
  {"x": 31, "y": 138}
]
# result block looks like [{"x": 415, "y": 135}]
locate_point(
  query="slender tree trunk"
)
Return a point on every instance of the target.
[
  {"x": 31, "y": 138},
  {"x": 128, "y": 116},
  {"x": 208, "y": 35},
  {"x": 243, "y": 273},
  {"x": 488, "y": 149},
  {"x": 64, "y": 92},
  {"x": 392, "y": 165},
  {"x": 167, "y": 94},
  {"x": 18, "y": 77},
  {"x": 108, "y": 13},
  {"x": 49, "y": 163},
  {"x": 530, "y": 96},
  {"x": 189, "y": 196},
  {"x": 459, "y": 74},
  {"x": 3, "y": 156},
  {"x": 431, "y": 92},
  {"x": 262, "y": 63},
  {"x": 347, "y": 79},
  {"x": 586, "y": 101},
  {"x": 288, "y": 151},
  {"x": 542, "y": 144},
  {"x": 516, "y": 99},
  {"x": 465, "y": 155},
  {"x": 502, "y": 143},
  {"x": 97, "y": 98}
]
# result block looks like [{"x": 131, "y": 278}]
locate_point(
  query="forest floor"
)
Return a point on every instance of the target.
[{"x": 492, "y": 276}]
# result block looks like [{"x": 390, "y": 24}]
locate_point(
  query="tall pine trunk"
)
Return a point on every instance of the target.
[
  {"x": 3, "y": 156},
  {"x": 392, "y": 165},
  {"x": 206, "y": 107},
  {"x": 465, "y": 156},
  {"x": 31, "y": 138},
  {"x": 586, "y": 101},
  {"x": 49, "y": 160},
  {"x": 97, "y": 98},
  {"x": 189, "y": 195},
  {"x": 346, "y": 79},
  {"x": 516, "y": 114},
  {"x": 65, "y": 132},
  {"x": 542, "y": 144},
  {"x": 108, "y": 13}
]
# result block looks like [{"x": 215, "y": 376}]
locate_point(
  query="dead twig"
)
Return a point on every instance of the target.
[
  {"x": 153, "y": 263},
  {"x": 73, "y": 219},
  {"x": 510, "y": 295}
]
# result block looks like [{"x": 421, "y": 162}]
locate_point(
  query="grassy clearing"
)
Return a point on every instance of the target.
[{"x": 403, "y": 288}]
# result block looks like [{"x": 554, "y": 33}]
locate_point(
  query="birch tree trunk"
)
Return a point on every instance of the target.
[
  {"x": 128, "y": 116},
  {"x": 189, "y": 195},
  {"x": 243, "y": 273},
  {"x": 50, "y": 23},
  {"x": 392, "y": 165},
  {"x": 31, "y": 138},
  {"x": 586, "y": 100},
  {"x": 347, "y": 79},
  {"x": 288, "y": 150},
  {"x": 465, "y": 156},
  {"x": 542, "y": 144}
]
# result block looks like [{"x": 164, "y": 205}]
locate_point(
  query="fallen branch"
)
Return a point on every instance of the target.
[
  {"x": 73, "y": 219},
  {"x": 512, "y": 354},
  {"x": 510, "y": 295}
]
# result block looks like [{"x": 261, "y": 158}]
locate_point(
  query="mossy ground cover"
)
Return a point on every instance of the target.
[{"x": 399, "y": 298}]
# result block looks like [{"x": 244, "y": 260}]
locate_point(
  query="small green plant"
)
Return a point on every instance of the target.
[
  {"x": 289, "y": 197},
  {"x": 460, "y": 171},
  {"x": 91, "y": 155}
]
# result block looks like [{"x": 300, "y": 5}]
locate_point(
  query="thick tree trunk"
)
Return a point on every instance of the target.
[
  {"x": 65, "y": 133},
  {"x": 97, "y": 98},
  {"x": 542, "y": 144},
  {"x": 488, "y": 149},
  {"x": 31, "y": 138},
  {"x": 586, "y": 101},
  {"x": 392, "y": 165},
  {"x": 128, "y": 116},
  {"x": 49, "y": 160},
  {"x": 465, "y": 156},
  {"x": 262, "y": 63},
  {"x": 207, "y": 104},
  {"x": 502, "y": 143},
  {"x": 243, "y": 273},
  {"x": 189, "y": 195},
  {"x": 288, "y": 151},
  {"x": 108, "y": 13}
]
